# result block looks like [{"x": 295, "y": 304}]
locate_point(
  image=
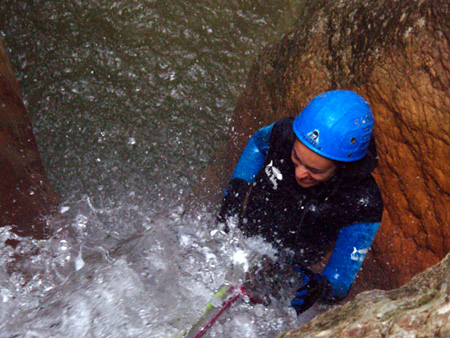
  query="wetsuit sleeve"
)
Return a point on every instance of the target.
[
  {"x": 249, "y": 165},
  {"x": 351, "y": 247},
  {"x": 254, "y": 155}
]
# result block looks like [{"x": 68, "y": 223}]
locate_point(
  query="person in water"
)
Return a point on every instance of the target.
[{"x": 305, "y": 185}]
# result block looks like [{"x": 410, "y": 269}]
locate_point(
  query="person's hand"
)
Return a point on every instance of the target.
[
  {"x": 232, "y": 200},
  {"x": 259, "y": 277},
  {"x": 313, "y": 287}
]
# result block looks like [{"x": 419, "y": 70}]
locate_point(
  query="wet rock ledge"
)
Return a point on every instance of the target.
[
  {"x": 25, "y": 193},
  {"x": 421, "y": 308},
  {"x": 396, "y": 54}
]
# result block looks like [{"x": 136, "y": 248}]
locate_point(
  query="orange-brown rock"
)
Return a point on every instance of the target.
[
  {"x": 25, "y": 192},
  {"x": 396, "y": 54}
]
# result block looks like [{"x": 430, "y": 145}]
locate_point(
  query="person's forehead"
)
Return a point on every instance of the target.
[{"x": 310, "y": 158}]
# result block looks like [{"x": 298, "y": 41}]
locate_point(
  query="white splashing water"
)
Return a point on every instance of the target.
[
  {"x": 86, "y": 281},
  {"x": 124, "y": 87}
]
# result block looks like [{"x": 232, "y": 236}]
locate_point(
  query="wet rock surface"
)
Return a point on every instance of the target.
[
  {"x": 396, "y": 55},
  {"x": 25, "y": 192}
]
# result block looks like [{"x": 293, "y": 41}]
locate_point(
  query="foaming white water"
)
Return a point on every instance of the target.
[{"x": 91, "y": 280}]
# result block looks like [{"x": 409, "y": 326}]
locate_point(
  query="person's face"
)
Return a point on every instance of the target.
[{"x": 310, "y": 167}]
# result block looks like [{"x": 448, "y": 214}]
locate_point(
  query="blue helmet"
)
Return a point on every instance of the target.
[{"x": 337, "y": 125}]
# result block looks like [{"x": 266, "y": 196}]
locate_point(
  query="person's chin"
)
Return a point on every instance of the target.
[{"x": 306, "y": 184}]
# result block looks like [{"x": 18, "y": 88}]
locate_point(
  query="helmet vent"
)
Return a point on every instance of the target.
[{"x": 353, "y": 140}]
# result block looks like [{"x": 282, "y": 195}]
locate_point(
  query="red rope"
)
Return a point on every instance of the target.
[{"x": 226, "y": 305}]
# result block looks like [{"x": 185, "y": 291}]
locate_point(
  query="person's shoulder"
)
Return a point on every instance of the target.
[
  {"x": 365, "y": 198},
  {"x": 364, "y": 186},
  {"x": 284, "y": 123},
  {"x": 282, "y": 132}
]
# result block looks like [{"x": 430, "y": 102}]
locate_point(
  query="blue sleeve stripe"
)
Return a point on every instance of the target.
[
  {"x": 351, "y": 247},
  {"x": 254, "y": 155}
]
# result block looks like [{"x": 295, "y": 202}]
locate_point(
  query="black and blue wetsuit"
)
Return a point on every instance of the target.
[{"x": 344, "y": 212}]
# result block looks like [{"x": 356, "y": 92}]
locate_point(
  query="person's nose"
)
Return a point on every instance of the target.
[{"x": 301, "y": 172}]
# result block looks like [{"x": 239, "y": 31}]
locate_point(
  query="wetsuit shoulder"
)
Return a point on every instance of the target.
[{"x": 282, "y": 137}]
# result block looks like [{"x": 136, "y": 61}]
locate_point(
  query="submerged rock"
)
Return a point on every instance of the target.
[
  {"x": 25, "y": 191},
  {"x": 396, "y": 54},
  {"x": 421, "y": 308}
]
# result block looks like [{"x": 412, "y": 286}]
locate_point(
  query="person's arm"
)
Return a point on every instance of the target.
[
  {"x": 351, "y": 247},
  {"x": 253, "y": 156},
  {"x": 334, "y": 282},
  {"x": 250, "y": 163}
]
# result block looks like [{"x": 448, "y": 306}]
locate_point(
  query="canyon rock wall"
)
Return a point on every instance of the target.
[
  {"x": 25, "y": 192},
  {"x": 396, "y": 54}
]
